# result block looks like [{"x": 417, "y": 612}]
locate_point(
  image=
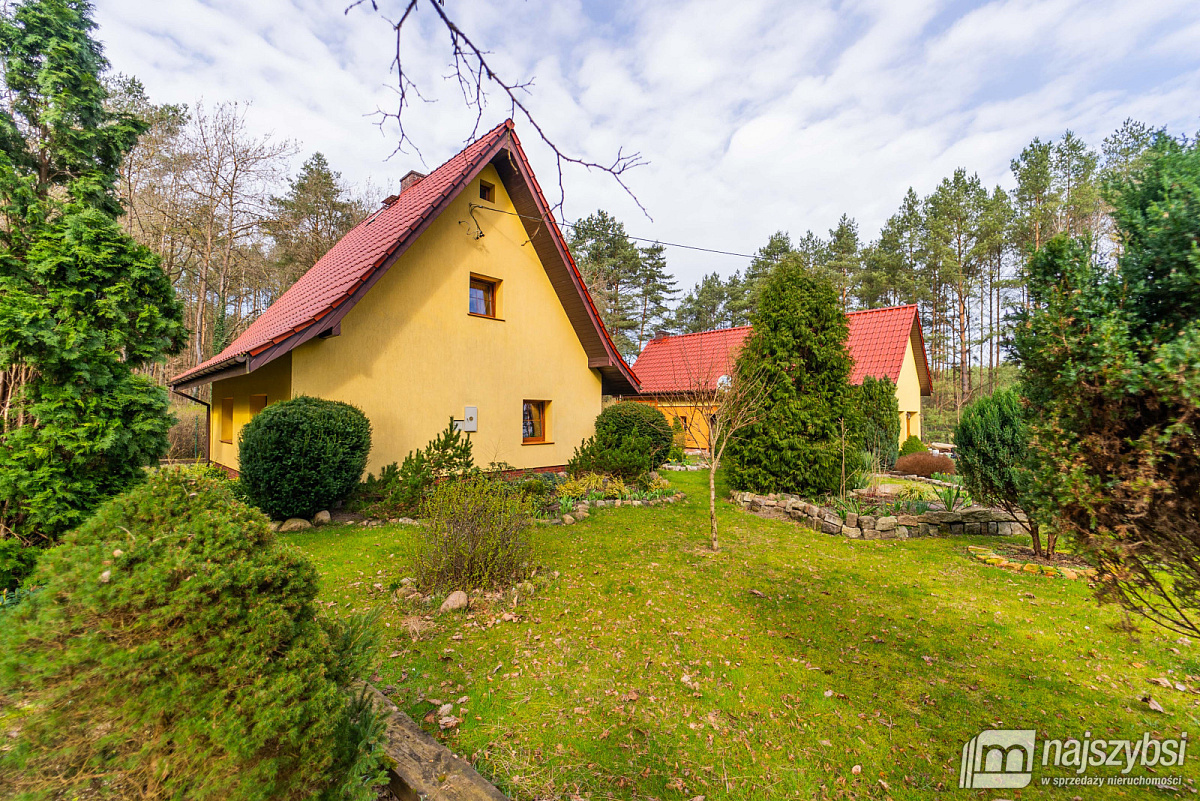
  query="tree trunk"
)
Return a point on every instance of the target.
[
  {"x": 712, "y": 501},
  {"x": 1036, "y": 536}
]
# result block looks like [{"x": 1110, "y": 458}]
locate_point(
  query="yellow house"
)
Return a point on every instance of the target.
[
  {"x": 458, "y": 298},
  {"x": 882, "y": 343}
]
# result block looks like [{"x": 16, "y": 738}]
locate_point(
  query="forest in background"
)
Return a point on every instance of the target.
[
  {"x": 234, "y": 230},
  {"x": 959, "y": 253}
]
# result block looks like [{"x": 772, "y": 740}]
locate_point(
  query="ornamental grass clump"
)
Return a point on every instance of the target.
[
  {"x": 175, "y": 650},
  {"x": 476, "y": 535}
]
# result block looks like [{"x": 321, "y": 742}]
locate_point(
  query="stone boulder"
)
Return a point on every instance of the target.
[
  {"x": 322, "y": 518},
  {"x": 454, "y": 601},
  {"x": 294, "y": 524}
]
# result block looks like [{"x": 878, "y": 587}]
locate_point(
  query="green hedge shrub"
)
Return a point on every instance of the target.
[
  {"x": 632, "y": 419},
  {"x": 880, "y": 412},
  {"x": 627, "y": 458},
  {"x": 913, "y": 445},
  {"x": 991, "y": 441},
  {"x": 303, "y": 455},
  {"x": 176, "y": 650},
  {"x": 476, "y": 535}
]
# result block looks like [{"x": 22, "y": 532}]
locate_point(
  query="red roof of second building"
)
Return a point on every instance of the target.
[
  {"x": 689, "y": 361},
  {"x": 877, "y": 342}
]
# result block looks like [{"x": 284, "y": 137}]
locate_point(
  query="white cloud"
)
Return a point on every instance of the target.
[{"x": 755, "y": 116}]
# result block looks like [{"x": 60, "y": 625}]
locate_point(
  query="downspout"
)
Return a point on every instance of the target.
[{"x": 207, "y": 423}]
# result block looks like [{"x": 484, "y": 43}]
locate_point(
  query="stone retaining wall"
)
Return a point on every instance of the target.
[
  {"x": 973, "y": 521},
  {"x": 422, "y": 769}
]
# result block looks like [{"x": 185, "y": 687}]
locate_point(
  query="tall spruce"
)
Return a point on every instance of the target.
[
  {"x": 809, "y": 424},
  {"x": 83, "y": 307}
]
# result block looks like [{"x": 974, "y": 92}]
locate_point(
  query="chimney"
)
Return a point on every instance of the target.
[
  {"x": 410, "y": 180},
  {"x": 661, "y": 335}
]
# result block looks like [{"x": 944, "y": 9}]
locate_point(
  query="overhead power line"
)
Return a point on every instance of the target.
[{"x": 634, "y": 238}]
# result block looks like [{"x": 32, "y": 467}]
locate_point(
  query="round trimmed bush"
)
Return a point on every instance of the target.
[
  {"x": 303, "y": 455},
  {"x": 176, "y": 650},
  {"x": 628, "y": 419}
]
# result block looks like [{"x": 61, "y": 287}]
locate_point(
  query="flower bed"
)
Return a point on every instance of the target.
[{"x": 582, "y": 507}]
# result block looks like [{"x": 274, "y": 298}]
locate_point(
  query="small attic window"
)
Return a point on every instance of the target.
[{"x": 487, "y": 192}]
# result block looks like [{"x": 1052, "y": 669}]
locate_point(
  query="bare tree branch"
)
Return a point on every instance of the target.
[{"x": 473, "y": 73}]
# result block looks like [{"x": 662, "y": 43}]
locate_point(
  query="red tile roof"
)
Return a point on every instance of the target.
[
  {"x": 688, "y": 361},
  {"x": 353, "y": 264},
  {"x": 877, "y": 342}
]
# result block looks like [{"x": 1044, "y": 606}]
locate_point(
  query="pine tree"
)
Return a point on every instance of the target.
[
  {"x": 798, "y": 351},
  {"x": 1036, "y": 198},
  {"x": 778, "y": 245},
  {"x": 891, "y": 266},
  {"x": 1125, "y": 147},
  {"x": 1075, "y": 176},
  {"x": 953, "y": 221},
  {"x": 82, "y": 306},
  {"x": 845, "y": 258},
  {"x": 710, "y": 304},
  {"x": 306, "y": 222},
  {"x": 654, "y": 290},
  {"x": 611, "y": 266}
]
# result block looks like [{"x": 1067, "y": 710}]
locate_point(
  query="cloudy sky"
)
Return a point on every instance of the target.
[{"x": 753, "y": 116}]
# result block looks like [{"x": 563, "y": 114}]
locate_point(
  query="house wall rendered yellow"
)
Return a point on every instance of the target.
[
  {"x": 908, "y": 395},
  {"x": 695, "y": 431},
  {"x": 273, "y": 380},
  {"x": 411, "y": 356}
]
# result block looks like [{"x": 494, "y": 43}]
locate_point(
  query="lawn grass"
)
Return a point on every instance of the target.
[{"x": 789, "y": 664}]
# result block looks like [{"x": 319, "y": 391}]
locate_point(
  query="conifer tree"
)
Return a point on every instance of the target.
[
  {"x": 82, "y": 306},
  {"x": 798, "y": 352},
  {"x": 310, "y": 218},
  {"x": 611, "y": 265},
  {"x": 654, "y": 289},
  {"x": 845, "y": 258}
]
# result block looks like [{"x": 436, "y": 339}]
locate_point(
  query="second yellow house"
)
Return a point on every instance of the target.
[{"x": 884, "y": 343}]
